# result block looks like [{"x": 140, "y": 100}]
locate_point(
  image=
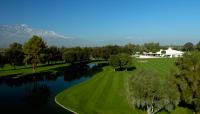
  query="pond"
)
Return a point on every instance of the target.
[{"x": 36, "y": 93}]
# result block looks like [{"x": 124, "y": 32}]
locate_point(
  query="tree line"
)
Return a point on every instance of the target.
[{"x": 36, "y": 51}]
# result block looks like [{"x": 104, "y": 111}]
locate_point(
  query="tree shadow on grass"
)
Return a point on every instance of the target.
[
  {"x": 28, "y": 67},
  {"x": 120, "y": 69},
  {"x": 124, "y": 69},
  {"x": 131, "y": 68},
  {"x": 190, "y": 106}
]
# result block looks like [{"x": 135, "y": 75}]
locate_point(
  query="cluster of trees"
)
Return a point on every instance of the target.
[
  {"x": 74, "y": 55},
  {"x": 151, "y": 47},
  {"x": 14, "y": 55},
  {"x": 2, "y": 60},
  {"x": 32, "y": 52},
  {"x": 148, "y": 91},
  {"x": 191, "y": 47},
  {"x": 120, "y": 61},
  {"x": 188, "y": 79}
]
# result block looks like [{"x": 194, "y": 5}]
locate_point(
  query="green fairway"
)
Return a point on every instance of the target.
[
  {"x": 105, "y": 92},
  {"x": 23, "y": 71}
]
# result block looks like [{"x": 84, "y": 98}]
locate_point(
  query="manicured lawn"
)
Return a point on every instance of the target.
[
  {"x": 23, "y": 71},
  {"x": 105, "y": 92}
]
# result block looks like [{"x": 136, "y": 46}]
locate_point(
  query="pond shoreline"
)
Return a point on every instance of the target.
[{"x": 64, "y": 107}]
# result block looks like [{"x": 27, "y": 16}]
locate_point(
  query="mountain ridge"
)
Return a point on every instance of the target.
[{"x": 21, "y": 33}]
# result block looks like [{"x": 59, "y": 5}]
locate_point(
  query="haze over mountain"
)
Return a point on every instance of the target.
[{"x": 21, "y": 33}]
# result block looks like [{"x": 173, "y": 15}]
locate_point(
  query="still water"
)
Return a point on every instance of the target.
[{"x": 36, "y": 93}]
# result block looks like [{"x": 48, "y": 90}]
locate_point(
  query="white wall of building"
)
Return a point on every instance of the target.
[{"x": 169, "y": 53}]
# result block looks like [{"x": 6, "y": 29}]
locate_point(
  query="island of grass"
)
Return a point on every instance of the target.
[{"x": 105, "y": 92}]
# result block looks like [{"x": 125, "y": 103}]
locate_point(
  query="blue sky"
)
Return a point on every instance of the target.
[{"x": 137, "y": 21}]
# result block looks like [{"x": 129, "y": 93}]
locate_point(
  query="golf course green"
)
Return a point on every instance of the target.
[{"x": 106, "y": 92}]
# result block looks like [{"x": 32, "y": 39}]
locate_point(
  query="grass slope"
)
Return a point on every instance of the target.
[{"x": 105, "y": 92}]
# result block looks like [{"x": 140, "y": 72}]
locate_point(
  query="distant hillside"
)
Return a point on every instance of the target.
[{"x": 21, "y": 33}]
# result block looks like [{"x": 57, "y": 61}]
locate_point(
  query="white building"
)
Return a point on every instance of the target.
[
  {"x": 170, "y": 53},
  {"x": 162, "y": 53}
]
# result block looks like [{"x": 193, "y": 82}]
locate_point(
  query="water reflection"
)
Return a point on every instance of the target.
[
  {"x": 37, "y": 96},
  {"x": 14, "y": 82},
  {"x": 82, "y": 70}
]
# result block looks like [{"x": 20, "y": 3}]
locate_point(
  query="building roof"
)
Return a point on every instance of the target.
[{"x": 170, "y": 51}]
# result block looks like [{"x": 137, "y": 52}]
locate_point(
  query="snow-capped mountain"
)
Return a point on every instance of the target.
[{"x": 21, "y": 33}]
